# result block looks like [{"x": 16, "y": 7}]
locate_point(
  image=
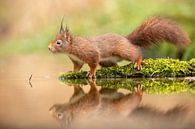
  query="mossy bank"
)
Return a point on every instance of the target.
[{"x": 150, "y": 68}]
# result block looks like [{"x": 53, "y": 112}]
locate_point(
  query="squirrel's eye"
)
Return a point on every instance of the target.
[
  {"x": 60, "y": 115},
  {"x": 59, "y": 42}
]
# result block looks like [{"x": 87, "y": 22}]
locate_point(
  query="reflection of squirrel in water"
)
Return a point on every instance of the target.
[
  {"x": 81, "y": 103},
  {"x": 108, "y": 49},
  {"x": 99, "y": 103}
]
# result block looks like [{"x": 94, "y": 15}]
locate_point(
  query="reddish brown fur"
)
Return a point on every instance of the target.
[
  {"x": 155, "y": 30},
  {"x": 108, "y": 49}
]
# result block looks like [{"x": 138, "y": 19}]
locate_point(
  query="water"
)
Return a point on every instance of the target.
[{"x": 52, "y": 104}]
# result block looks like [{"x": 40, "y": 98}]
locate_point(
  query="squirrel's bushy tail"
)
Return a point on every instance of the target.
[{"x": 155, "y": 30}]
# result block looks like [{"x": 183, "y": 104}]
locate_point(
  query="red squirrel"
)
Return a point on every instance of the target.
[{"x": 108, "y": 49}]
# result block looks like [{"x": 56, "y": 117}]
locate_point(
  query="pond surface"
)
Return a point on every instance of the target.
[{"x": 52, "y": 104}]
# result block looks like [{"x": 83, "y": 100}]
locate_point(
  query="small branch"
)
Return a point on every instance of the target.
[{"x": 29, "y": 80}]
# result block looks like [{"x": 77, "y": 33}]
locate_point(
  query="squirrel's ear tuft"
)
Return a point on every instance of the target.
[{"x": 61, "y": 27}]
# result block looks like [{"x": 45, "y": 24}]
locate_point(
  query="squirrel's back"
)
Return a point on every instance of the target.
[
  {"x": 112, "y": 44},
  {"x": 109, "y": 38}
]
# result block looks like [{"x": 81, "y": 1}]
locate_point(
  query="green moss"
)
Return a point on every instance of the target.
[
  {"x": 151, "y": 86},
  {"x": 150, "y": 68},
  {"x": 192, "y": 66}
]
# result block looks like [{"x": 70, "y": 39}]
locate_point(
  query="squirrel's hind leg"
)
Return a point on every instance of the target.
[{"x": 132, "y": 54}]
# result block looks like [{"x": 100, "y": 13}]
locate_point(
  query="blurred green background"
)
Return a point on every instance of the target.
[{"x": 27, "y": 27}]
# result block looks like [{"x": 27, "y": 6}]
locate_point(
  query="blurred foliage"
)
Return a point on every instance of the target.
[
  {"x": 40, "y": 24},
  {"x": 150, "y": 68},
  {"x": 150, "y": 86}
]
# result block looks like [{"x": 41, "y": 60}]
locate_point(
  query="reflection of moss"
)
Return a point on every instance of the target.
[
  {"x": 151, "y": 86},
  {"x": 167, "y": 86},
  {"x": 150, "y": 68}
]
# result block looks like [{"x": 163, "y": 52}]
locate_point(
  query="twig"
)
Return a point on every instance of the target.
[{"x": 29, "y": 80}]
